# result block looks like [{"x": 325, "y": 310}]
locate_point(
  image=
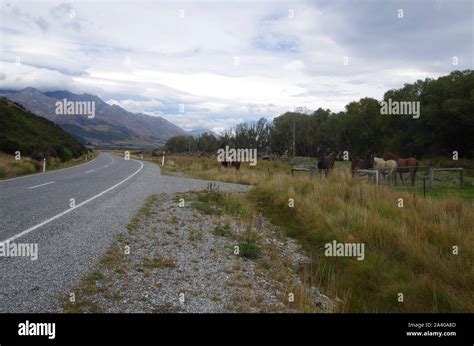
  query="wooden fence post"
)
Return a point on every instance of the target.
[{"x": 430, "y": 176}]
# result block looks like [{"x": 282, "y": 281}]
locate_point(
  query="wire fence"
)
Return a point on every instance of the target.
[{"x": 424, "y": 176}]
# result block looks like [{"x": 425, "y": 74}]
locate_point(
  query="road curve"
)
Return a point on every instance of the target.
[{"x": 38, "y": 209}]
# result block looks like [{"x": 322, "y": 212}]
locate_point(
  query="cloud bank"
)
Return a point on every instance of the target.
[{"x": 223, "y": 63}]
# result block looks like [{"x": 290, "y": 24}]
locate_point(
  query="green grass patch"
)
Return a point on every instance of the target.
[
  {"x": 222, "y": 230},
  {"x": 158, "y": 262},
  {"x": 249, "y": 250}
]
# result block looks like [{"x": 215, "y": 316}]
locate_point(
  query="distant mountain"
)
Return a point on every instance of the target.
[
  {"x": 200, "y": 131},
  {"x": 111, "y": 127},
  {"x": 303, "y": 110},
  {"x": 21, "y": 130}
]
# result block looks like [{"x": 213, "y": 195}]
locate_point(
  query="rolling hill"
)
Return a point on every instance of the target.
[{"x": 21, "y": 130}]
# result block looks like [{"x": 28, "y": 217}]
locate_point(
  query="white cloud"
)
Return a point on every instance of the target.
[
  {"x": 144, "y": 57},
  {"x": 138, "y": 106},
  {"x": 19, "y": 76}
]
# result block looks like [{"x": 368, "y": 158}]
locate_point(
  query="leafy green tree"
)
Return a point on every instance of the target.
[
  {"x": 446, "y": 123},
  {"x": 179, "y": 144}
]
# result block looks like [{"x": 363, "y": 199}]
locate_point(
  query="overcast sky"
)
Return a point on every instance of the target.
[{"x": 229, "y": 62}]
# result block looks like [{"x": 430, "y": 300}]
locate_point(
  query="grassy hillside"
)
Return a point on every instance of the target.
[
  {"x": 10, "y": 168},
  {"x": 408, "y": 250},
  {"x": 21, "y": 130}
]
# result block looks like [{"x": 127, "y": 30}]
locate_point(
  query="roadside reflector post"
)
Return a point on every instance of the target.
[
  {"x": 86, "y": 157},
  {"x": 44, "y": 165},
  {"x": 163, "y": 159}
]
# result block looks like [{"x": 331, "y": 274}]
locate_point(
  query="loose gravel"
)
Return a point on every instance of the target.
[{"x": 176, "y": 258}]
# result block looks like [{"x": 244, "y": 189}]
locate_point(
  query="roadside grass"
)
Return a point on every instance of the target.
[
  {"x": 144, "y": 211},
  {"x": 249, "y": 249},
  {"x": 158, "y": 262},
  {"x": 11, "y": 168},
  {"x": 209, "y": 169},
  {"x": 408, "y": 250}
]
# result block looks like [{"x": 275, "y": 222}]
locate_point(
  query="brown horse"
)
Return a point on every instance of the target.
[
  {"x": 362, "y": 164},
  {"x": 404, "y": 165},
  {"x": 235, "y": 164},
  {"x": 326, "y": 163}
]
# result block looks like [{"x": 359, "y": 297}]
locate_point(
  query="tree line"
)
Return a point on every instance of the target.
[{"x": 445, "y": 124}]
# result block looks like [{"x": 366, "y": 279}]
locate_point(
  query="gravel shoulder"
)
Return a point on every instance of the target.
[
  {"x": 175, "y": 257},
  {"x": 71, "y": 246}
]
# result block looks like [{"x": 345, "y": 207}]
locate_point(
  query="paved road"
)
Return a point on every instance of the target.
[{"x": 36, "y": 210}]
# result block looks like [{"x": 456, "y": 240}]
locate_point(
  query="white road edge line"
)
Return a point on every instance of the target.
[
  {"x": 41, "y": 173},
  {"x": 90, "y": 171},
  {"x": 31, "y": 229},
  {"x": 34, "y": 187}
]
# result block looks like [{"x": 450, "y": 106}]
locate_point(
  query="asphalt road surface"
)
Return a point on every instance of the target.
[{"x": 70, "y": 238}]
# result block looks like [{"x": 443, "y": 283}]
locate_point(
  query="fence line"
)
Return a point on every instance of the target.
[
  {"x": 375, "y": 172},
  {"x": 312, "y": 169},
  {"x": 431, "y": 174}
]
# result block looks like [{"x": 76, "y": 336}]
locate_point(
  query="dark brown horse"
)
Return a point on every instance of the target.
[
  {"x": 357, "y": 164},
  {"x": 235, "y": 164},
  {"x": 404, "y": 165},
  {"x": 326, "y": 163}
]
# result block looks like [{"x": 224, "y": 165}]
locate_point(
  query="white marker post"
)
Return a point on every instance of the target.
[
  {"x": 163, "y": 159},
  {"x": 44, "y": 165},
  {"x": 86, "y": 157}
]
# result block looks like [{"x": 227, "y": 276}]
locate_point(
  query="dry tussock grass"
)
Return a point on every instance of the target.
[{"x": 408, "y": 250}]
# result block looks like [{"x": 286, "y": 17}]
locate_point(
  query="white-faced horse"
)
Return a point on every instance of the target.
[{"x": 388, "y": 168}]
